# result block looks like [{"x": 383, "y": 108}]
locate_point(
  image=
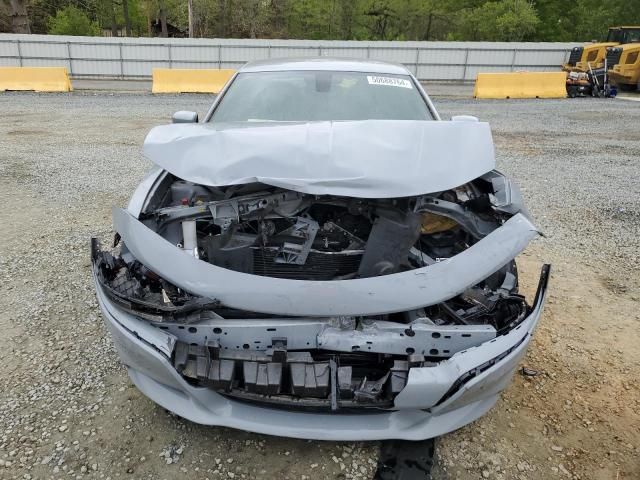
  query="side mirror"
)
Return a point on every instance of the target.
[
  {"x": 184, "y": 116},
  {"x": 464, "y": 118}
]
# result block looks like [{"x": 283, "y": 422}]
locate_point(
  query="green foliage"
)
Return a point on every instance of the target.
[
  {"x": 593, "y": 17},
  {"x": 5, "y": 19},
  {"x": 583, "y": 20},
  {"x": 503, "y": 20},
  {"x": 72, "y": 21}
]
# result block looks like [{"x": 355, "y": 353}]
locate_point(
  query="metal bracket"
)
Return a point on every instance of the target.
[
  {"x": 418, "y": 337},
  {"x": 398, "y": 339},
  {"x": 297, "y": 253}
]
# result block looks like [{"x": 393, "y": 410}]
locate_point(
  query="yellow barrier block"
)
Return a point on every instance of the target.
[
  {"x": 184, "y": 80},
  {"x": 39, "y": 79},
  {"x": 521, "y": 85}
]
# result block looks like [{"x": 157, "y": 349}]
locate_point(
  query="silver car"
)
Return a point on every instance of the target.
[{"x": 321, "y": 257}]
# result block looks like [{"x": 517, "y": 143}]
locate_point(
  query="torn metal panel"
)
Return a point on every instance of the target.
[
  {"x": 365, "y": 159},
  {"x": 496, "y": 360},
  {"x": 403, "y": 291},
  {"x": 162, "y": 341},
  {"x": 400, "y": 339}
]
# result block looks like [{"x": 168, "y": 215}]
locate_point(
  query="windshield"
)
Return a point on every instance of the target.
[
  {"x": 630, "y": 35},
  {"x": 614, "y": 35},
  {"x": 306, "y": 96}
]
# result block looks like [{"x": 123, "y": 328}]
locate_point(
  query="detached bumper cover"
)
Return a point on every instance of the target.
[
  {"x": 367, "y": 296},
  {"x": 436, "y": 400}
]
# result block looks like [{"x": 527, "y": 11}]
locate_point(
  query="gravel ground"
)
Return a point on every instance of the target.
[{"x": 68, "y": 410}]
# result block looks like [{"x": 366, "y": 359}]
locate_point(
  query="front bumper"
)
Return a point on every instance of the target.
[{"x": 436, "y": 400}]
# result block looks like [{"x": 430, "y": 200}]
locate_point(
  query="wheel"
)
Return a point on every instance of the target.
[{"x": 572, "y": 91}]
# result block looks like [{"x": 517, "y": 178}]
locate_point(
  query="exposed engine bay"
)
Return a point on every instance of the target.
[{"x": 336, "y": 363}]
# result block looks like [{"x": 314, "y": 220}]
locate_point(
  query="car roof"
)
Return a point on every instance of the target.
[{"x": 323, "y": 63}]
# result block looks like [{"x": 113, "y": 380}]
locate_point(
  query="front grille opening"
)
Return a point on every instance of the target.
[{"x": 310, "y": 380}]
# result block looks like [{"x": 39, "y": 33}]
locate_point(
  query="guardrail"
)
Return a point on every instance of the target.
[{"x": 131, "y": 58}]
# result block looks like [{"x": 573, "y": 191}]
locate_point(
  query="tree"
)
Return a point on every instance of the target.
[
  {"x": 112, "y": 18},
  {"x": 127, "y": 18},
  {"x": 556, "y": 23},
  {"x": 19, "y": 18},
  {"x": 503, "y": 20},
  {"x": 72, "y": 21},
  {"x": 382, "y": 17},
  {"x": 5, "y": 18},
  {"x": 164, "y": 32},
  {"x": 347, "y": 14}
]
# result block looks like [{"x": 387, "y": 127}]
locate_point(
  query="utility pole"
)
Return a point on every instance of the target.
[{"x": 190, "y": 3}]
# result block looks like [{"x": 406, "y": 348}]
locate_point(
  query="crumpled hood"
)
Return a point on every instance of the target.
[{"x": 366, "y": 159}]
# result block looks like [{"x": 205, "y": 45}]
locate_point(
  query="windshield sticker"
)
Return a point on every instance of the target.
[{"x": 389, "y": 81}]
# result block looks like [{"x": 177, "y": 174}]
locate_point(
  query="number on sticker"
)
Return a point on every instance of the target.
[{"x": 389, "y": 81}]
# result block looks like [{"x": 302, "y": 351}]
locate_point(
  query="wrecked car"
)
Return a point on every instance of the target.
[{"x": 321, "y": 257}]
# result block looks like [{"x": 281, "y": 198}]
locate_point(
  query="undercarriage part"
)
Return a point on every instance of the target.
[{"x": 405, "y": 460}]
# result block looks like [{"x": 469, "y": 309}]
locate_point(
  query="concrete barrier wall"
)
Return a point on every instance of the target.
[
  {"x": 107, "y": 57},
  {"x": 521, "y": 85},
  {"x": 189, "y": 80},
  {"x": 37, "y": 79}
]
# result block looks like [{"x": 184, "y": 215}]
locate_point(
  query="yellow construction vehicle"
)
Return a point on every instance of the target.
[
  {"x": 625, "y": 74},
  {"x": 593, "y": 54}
]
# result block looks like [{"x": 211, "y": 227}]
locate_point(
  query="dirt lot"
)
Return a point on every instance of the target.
[{"x": 68, "y": 410}]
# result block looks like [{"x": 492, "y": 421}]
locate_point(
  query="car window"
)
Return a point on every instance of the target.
[
  {"x": 632, "y": 36},
  {"x": 304, "y": 96}
]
